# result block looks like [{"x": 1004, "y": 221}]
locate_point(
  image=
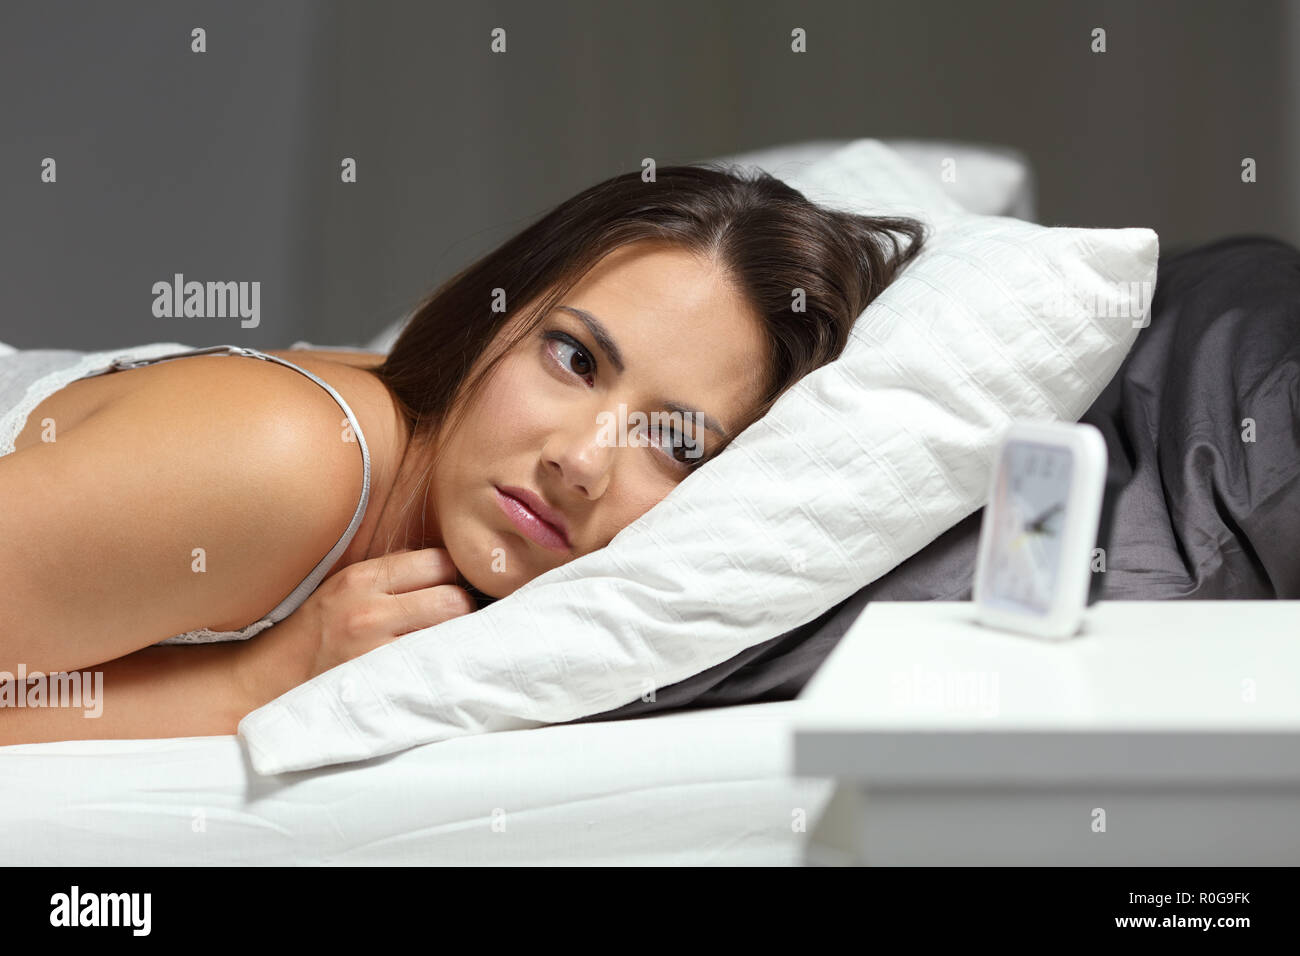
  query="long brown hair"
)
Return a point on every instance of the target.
[{"x": 768, "y": 239}]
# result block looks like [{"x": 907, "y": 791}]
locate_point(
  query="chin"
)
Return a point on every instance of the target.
[
  {"x": 493, "y": 585},
  {"x": 476, "y": 564}
]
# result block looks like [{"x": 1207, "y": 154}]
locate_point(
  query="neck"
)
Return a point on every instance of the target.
[{"x": 405, "y": 521}]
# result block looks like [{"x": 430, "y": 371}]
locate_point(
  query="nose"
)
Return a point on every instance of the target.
[{"x": 582, "y": 454}]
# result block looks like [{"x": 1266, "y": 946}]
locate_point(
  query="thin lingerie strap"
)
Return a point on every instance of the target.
[{"x": 312, "y": 581}]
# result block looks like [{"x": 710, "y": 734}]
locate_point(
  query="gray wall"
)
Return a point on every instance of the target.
[
  {"x": 225, "y": 165},
  {"x": 168, "y": 162}
]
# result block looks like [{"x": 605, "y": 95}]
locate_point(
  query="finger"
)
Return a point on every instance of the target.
[
  {"x": 402, "y": 571},
  {"x": 425, "y": 607}
]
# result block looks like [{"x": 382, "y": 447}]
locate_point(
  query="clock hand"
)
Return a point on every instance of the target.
[{"x": 1036, "y": 526}]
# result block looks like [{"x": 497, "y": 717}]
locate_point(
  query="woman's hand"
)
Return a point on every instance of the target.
[
  {"x": 373, "y": 602},
  {"x": 364, "y": 606}
]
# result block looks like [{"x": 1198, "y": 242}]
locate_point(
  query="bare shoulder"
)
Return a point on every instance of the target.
[
  {"x": 279, "y": 412},
  {"x": 200, "y": 497},
  {"x": 285, "y": 427}
]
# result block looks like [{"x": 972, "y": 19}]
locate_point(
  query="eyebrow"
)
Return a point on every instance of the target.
[{"x": 610, "y": 348}]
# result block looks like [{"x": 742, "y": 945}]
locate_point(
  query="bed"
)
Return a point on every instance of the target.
[{"x": 696, "y": 788}]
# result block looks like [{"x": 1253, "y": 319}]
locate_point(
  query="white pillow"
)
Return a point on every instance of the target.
[
  {"x": 985, "y": 179},
  {"x": 856, "y": 468}
]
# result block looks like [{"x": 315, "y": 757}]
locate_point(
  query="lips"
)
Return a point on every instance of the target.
[{"x": 536, "y": 520}]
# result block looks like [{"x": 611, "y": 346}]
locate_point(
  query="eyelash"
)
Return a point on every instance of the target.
[{"x": 555, "y": 335}]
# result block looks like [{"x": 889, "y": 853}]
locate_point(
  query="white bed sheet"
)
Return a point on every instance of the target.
[{"x": 706, "y": 787}]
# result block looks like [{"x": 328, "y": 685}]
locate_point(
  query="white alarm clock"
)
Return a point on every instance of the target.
[{"x": 1041, "y": 522}]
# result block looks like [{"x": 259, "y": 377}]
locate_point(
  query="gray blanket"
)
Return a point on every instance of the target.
[{"x": 1200, "y": 511}]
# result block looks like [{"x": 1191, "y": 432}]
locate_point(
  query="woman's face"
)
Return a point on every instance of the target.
[{"x": 579, "y": 414}]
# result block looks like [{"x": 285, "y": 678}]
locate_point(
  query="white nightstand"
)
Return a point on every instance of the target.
[{"x": 1173, "y": 725}]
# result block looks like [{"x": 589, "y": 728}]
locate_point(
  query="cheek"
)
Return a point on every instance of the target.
[
  {"x": 500, "y": 416},
  {"x": 496, "y": 442},
  {"x": 489, "y": 446}
]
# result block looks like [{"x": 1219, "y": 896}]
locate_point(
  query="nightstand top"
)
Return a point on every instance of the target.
[{"x": 965, "y": 699}]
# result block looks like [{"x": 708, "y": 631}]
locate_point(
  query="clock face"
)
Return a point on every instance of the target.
[{"x": 1029, "y": 506}]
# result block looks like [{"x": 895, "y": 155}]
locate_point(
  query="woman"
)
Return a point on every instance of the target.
[{"x": 504, "y": 435}]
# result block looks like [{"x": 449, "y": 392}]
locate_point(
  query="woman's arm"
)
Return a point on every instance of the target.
[
  {"x": 205, "y": 690},
  {"x": 170, "y": 691}
]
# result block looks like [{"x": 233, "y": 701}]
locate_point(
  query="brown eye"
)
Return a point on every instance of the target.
[
  {"x": 580, "y": 364},
  {"x": 576, "y": 359},
  {"x": 673, "y": 444}
]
